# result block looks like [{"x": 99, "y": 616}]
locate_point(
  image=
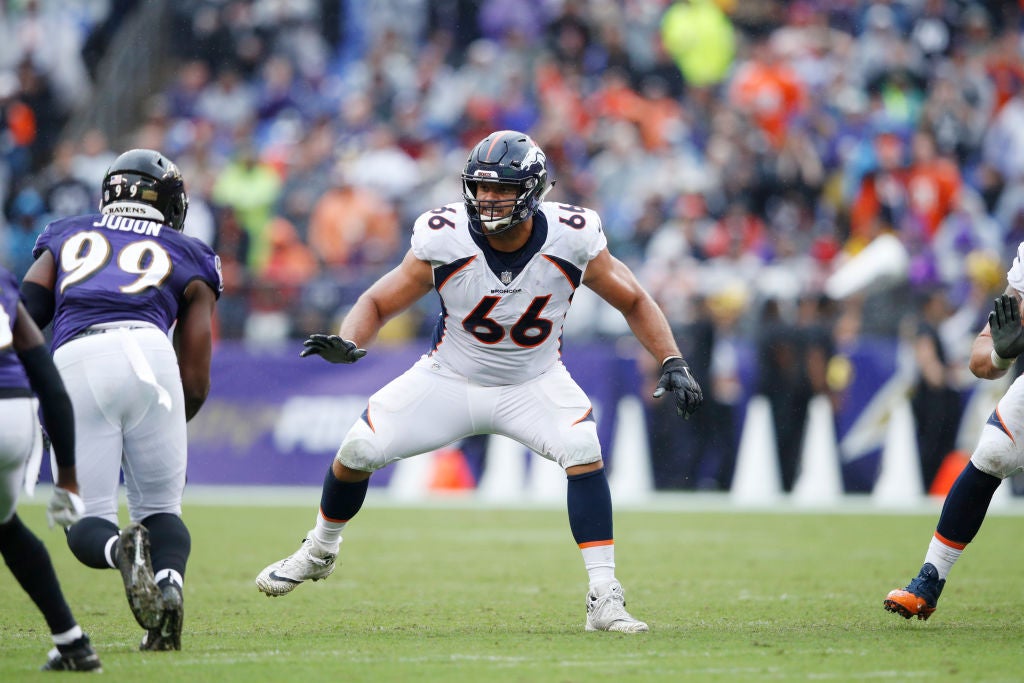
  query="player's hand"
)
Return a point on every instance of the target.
[
  {"x": 677, "y": 378},
  {"x": 1004, "y": 322},
  {"x": 332, "y": 348},
  {"x": 64, "y": 509}
]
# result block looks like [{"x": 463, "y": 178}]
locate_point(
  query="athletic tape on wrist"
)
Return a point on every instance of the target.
[{"x": 1000, "y": 362}]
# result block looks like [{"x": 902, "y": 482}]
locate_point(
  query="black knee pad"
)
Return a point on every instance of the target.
[{"x": 88, "y": 538}]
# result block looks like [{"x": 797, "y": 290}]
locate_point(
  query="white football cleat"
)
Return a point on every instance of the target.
[
  {"x": 305, "y": 563},
  {"x": 606, "y": 610}
]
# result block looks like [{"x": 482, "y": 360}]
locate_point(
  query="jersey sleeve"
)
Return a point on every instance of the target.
[
  {"x": 434, "y": 234},
  {"x": 1015, "y": 276},
  {"x": 597, "y": 239},
  {"x": 419, "y": 242},
  {"x": 579, "y": 232},
  {"x": 44, "y": 241},
  {"x": 206, "y": 264}
]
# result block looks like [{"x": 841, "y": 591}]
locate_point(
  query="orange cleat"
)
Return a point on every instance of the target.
[{"x": 919, "y": 597}]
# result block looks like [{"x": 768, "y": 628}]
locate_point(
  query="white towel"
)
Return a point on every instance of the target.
[
  {"x": 35, "y": 457},
  {"x": 137, "y": 359}
]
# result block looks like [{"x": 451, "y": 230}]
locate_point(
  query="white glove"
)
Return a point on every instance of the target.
[{"x": 64, "y": 509}]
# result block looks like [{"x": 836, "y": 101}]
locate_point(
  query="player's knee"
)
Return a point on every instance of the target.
[
  {"x": 998, "y": 462},
  {"x": 360, "y": 453},
  {"x": 579, "y": 448}
]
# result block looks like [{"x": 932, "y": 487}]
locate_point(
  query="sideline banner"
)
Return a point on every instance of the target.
[{"x": 275, "y": 418}]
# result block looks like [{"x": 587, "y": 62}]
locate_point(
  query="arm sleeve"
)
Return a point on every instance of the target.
[
  {"x": 39, "y": 302},
  {"x": 58, "y": 415}
]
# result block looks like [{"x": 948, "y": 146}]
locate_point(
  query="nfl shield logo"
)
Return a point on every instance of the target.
[{"x": 506, "y": 277}]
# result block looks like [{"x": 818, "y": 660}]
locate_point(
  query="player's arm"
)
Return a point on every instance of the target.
[
  {"x": 614, "y": 282},
  {"x": 193, "y": 342},
  {"x": 393, "y": 293},
  {"x": 46, "y": 382},
  {"x": 387, "y": 297},
  {"x": 1001, "y": 340},
  {"x": 37, "y": 289}
]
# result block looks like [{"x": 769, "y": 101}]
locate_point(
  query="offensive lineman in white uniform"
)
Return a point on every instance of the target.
[
  {"x": 999, "y": 454},
  {"x": 505, "y": 264}
]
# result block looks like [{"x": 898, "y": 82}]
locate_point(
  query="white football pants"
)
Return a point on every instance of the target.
[
  {"x": 19, "y": 433},
  {"x": 429, "y": 406},
  {"x": 129, "y": 416}
]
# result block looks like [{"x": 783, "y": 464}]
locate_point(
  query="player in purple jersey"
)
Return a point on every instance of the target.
[
  {"x": 506, "y": 265},
  {"x": 114, "y": 284},
  {"x": 26, "y": 370}
]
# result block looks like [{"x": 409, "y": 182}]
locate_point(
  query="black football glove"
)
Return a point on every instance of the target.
[
  {"x": 333, "y": 348},
  {"x": 1007, "y": 333},
  {"x": 677, "y": 378}
]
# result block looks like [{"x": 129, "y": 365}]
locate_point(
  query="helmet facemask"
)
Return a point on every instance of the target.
[
  {"x": 512, "y": 160},
  {"x": 498, "y": 215}
]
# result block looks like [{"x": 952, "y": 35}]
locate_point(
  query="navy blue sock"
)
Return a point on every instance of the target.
[
  {"x": 589, "y": 501},
  {"x": 169, "y": 542},
  {"x": 28, "y": 560},
  {"x": 341, "y": 500},
  {"x": 966, "y": 505},
  {"x": 88, "y": 538}
]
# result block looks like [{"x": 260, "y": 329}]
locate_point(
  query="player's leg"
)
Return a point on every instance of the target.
[
  {"x": 96, "y": 389},
  {"x": 419, "y": 411},
  {"x": 553, "y": 417},
  {"x": 24, "y": 554},
  {"x": 105, "y": 392},
  {"x": 996, "y": 457},
  {"x": 154, "y": 465}
]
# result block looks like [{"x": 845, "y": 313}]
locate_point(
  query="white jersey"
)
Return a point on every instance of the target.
[
  {"x": 1015, "y": 276},
  {"x": 502, "y": 314}
]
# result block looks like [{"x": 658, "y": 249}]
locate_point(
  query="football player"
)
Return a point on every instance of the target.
[
  {"x": 26, "y": 369},
  {"x": 113, "y": 284},
  {"x": 505, "y": 264},
  {"x": 998, "y": 454}
]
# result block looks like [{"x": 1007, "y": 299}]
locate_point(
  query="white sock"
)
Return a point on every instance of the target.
[
  {"x": 600, "y": 563},
  {"x": 108, "y": 551},
  {"x": 69, "y": 636},
  {"x": 327, "y": 534},
  {"x": 942, "y": 556},
  {"x": 171, "y": 575}
]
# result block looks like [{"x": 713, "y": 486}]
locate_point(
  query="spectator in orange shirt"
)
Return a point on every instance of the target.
[
  {"x": 881, "y": 199},
  {"x": 932, "y": 184},
  {"x": 351, "y": 225},
  {"x": 768, "y": 90}
]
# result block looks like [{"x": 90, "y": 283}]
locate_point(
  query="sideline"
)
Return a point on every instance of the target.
[{"x": 669, "y": 502}]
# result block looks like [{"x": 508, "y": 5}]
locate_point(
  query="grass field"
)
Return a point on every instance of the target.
[{"x": 459, "y": 593}]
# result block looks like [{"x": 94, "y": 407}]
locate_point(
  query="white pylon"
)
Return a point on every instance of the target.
[
  {"x": 1003, "y": 497},
  {"x": 504, "y": 475},
  {"x": 411, "y": 478},
  {"x": 899, "y": 476},
  {"x": 630, "y": 477},
  {"x": 546, "y": 482},
  {"x": 757, "y": 480},
  {"x": 820, "y": 480}
]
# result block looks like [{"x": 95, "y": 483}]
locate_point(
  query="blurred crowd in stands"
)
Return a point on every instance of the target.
[{"x": 740, "y": 153}]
